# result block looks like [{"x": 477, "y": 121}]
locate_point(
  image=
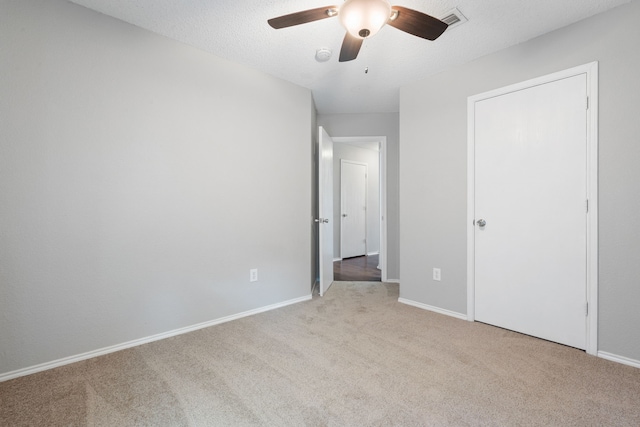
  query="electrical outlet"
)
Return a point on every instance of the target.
[
  {"x": 253, "y": 275},
  {"x": 436, "y": 274}
]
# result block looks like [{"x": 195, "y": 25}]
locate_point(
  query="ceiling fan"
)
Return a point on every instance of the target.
[{"x": 363, "y": 19}]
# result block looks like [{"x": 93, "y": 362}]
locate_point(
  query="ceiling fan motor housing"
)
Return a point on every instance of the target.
[{"x": 364, "y": 18}]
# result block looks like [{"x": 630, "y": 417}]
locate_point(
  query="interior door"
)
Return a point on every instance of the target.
[
  {"x": 353, "y": 201},
  {"x": 325, "y": 208},
  {"x": 530, "y": 211}
]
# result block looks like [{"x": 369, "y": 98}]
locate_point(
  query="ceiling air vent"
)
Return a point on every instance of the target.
[{"x": 453, "y": 18}]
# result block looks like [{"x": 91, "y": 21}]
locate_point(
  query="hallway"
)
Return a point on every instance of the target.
[{"x": 357, "y": 269}]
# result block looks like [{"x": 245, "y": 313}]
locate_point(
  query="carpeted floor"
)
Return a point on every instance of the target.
[{"x": 356, "y": 357}]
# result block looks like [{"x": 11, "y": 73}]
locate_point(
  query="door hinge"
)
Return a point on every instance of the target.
[
  {"x": 587, "y": 103},
  {"x": 587, "y": 205},
  {"x": 586, "y": 308}
]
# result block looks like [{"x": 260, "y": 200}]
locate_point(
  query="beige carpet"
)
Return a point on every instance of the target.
[{"x": 355, "y": 357}]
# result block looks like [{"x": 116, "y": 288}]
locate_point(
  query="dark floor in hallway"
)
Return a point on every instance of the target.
[{"x": 357, "y": 269}]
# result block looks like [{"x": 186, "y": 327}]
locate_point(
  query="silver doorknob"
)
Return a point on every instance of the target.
[
  {"x": 481, "y": 222},
  {"x": 325, "y": 221},
  {"x": 344, "y": 215}
]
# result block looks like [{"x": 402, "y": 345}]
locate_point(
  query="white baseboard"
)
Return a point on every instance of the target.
[
  {"x": 111, "y": 349},
  {"x": 392, "y": 281},
  {"x": 337, "y": 259},
  {"x": 432, "y": 308},
  {"x": 619, "y": 359}
]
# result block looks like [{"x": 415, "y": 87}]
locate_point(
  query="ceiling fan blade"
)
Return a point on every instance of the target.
[
  {"x": 350, "y": 48},
  {"x": 417, "y": 23},
  {"x": 303, "y": 17}
]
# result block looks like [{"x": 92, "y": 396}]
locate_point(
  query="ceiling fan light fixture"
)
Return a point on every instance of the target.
[{"x": 364, "y": 18}]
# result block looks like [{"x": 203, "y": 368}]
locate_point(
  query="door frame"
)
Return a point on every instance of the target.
[
  {"x": 366, "y": 204},
  {"x": 591, "y": 105},
  {"x": 382, "y": 156}
]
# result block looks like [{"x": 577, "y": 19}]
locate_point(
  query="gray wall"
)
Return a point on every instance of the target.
[
  {"x": 140, "y": 180},
  {"x": 381, "y": 124},
  {"x": 433, "y": 166},
  {"x": 369, "y": 157}
]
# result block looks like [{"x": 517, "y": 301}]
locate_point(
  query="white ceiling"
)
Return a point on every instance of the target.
[{"x": 238, "y": 30}]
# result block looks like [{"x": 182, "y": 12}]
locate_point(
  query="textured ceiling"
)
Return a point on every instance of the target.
[{"x": 237, "y": 30}]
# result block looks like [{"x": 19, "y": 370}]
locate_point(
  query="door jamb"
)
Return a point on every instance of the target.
[
  {"x": 591, "y": 104},
  {"x": 382, "y": 140}
]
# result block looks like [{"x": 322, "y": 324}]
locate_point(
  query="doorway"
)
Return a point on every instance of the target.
[
  {"x": 371, "y": 264},
  {"x": 532, "y": 253}
]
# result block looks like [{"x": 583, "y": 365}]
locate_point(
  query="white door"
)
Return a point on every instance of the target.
[
  {"x": 530, "y": 191},
  {"x": 325, "y": 207},
  {"x": 353, "y": 192}
]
